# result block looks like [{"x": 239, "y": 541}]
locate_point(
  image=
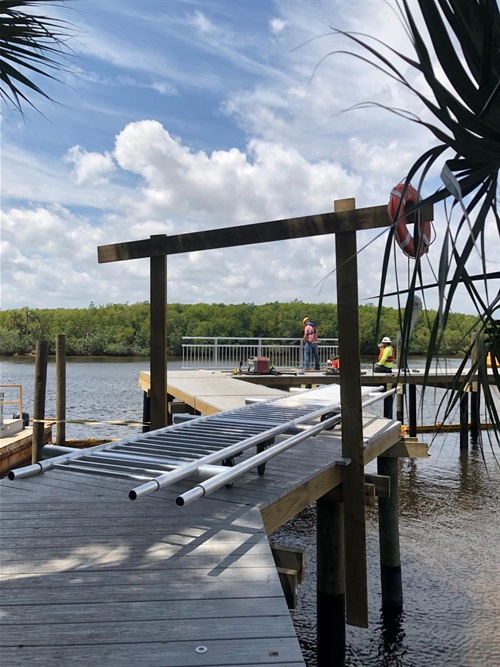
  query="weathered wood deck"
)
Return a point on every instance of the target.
[
  {"x": 15, "y": 450},
  {"x": 209, "y": 392},
  {"x": 91, "y": 578}
]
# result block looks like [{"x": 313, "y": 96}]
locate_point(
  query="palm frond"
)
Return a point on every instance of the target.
[
  {"x": 30, "y": 44},
  {"x": 462, "y": 41}
]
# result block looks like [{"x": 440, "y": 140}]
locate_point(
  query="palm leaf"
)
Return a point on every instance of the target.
[
  {"x": 30, "y": 44},
  {"x": 463, "y": 37}
]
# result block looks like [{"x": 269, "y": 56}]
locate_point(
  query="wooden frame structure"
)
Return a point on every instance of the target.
[{"x": 344, "y": 222}]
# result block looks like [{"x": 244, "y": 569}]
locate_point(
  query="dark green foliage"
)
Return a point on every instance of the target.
[{"x": 123, "y": 329}]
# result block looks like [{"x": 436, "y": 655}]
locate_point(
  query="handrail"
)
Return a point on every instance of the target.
[
  {"x": 218, "y": 352},
  {"x": 18, "y": 401}
]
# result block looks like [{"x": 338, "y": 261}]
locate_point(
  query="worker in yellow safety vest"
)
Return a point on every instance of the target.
[{"x": 385, "y": 357}]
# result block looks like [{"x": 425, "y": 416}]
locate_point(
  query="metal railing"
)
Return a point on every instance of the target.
[
  {"x": 217, "y": 352},
  {"x": 8, "y": 401},
  {"x": 205, "y": 448}
]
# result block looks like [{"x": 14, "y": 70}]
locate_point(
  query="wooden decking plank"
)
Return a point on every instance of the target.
[
  {"x": 64, "y": 535},
  {"x": 106, "y": 631},
  {"x": 91, "y": 559},
  {"x": 146, "y": 610},
  {"x": 148, "y": 581},
  {"x": 231, "y": 652},
  {"x": 261, "y": 575},
  {"x": 184, "y": 588},
  {"x": 142, "y": 555}
]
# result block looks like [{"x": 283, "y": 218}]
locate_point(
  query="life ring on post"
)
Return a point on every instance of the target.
[{"x": 405, "y": 240}]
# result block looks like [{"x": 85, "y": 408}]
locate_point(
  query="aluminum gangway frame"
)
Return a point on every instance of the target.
[{"x": 205, "y": 448}]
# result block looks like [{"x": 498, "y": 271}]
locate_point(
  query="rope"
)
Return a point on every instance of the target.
[{"x": 88, "y": 422}]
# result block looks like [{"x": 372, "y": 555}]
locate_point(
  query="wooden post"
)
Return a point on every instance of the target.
[
  {"x": 42, "y": 355},
  {"x": 158, "y": 358},
  {"x": 464, "y": 420},
  {"x": 330, "y": 586},
  {"x": 170, "y": 400},
  {"x": 390, "y": 561},
  {"x": 400, "y": 403},
  {"x": 388, "y": 403},
  {"x": 352, "y": 423},
  {"x": 61, "y": 389},
  {"x": 146, "y": 412},
  {"x": 477, "y": 355},
  {"x": 474, "y": 416},
  {"x": 412, "y": 410}
]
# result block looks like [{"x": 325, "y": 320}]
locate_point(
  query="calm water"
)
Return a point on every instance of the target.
[{"x": 449, "y": 526}]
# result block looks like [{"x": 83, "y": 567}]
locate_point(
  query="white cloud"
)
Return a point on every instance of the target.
[
  {"x": 277, "y": 25},
  {"x": 89, "y": 168},
  {"x": 201, "y": 22},
  {"x": 294, "y": 153}
]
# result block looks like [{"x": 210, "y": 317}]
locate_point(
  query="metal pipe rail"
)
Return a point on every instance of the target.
[
  {"x": 229, "y": 452},
  {"x": 245, "y": 426},
  {"x": 229, "y": 475},
  {"x": 228, "y": 352},
  {"x": 196, "y": 448}
]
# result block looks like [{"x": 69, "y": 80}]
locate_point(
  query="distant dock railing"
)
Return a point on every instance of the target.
[{"x": 218, "y": 352}]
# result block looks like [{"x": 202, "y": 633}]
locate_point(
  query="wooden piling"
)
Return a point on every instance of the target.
[
  {"x": 390, "y": 560},
  {"x": 388, "y": 403},
  {"x": 42, "y": 355},
  {"x": 477, "y": 356},
  {"x": 146, "y": 412},
  {"x": 412, "y": 410},
  {"x": 400, "y": 403},
  {"x": 464, "y": 421},
  {"x": 330, "y": 586},
  {"x": 61, "y": 389},
  {"x": 474, "y": 415}
]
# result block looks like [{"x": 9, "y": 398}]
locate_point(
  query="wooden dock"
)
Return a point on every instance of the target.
[
  {"x": 15, "y": 450},
  {"x": 91, "y": 578},
  {"x": 209, "y": 392}
]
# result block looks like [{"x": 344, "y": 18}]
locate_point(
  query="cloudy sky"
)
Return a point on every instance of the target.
[{"x": 182, "y": 115}]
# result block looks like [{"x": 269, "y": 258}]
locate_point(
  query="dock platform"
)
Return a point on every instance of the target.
[
  {"x": 91, "y": 578},
  {"x": 15, "y": 450},
  {"x": 210, "y": 392}
]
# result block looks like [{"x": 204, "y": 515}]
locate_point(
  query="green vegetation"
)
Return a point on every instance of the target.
[{"x": 123, "y": 329}]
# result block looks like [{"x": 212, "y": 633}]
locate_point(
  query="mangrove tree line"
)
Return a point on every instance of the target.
[{"x": 123, "y": 329}]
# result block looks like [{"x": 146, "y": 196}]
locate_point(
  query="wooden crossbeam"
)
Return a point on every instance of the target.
[
  {"x": 410, "y": 447},
  {"x": 371, "y": 217},
  {"x": 381, "y": 483}
]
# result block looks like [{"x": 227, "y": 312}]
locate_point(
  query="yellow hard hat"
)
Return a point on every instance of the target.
[{"x": 306, "y": 319}]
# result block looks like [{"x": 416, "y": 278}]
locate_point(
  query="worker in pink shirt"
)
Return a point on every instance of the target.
[{"x": 310, "y": 344}]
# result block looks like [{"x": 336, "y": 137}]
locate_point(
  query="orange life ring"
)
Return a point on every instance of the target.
[{"x": 405, "y": 240}]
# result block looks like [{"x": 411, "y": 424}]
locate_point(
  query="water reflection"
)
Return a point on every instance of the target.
[{"x": 391, "y": 649}]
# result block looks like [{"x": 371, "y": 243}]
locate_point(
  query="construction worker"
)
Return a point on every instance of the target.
[
  {"x": 310, "y": 344},
  {"x": 385, "y": 356}
]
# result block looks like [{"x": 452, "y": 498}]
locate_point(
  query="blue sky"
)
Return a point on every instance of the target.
[{"x": 182, "y": 115}]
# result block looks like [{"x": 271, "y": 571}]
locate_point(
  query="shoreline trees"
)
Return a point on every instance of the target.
[{"x": 123, "y": 329}]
